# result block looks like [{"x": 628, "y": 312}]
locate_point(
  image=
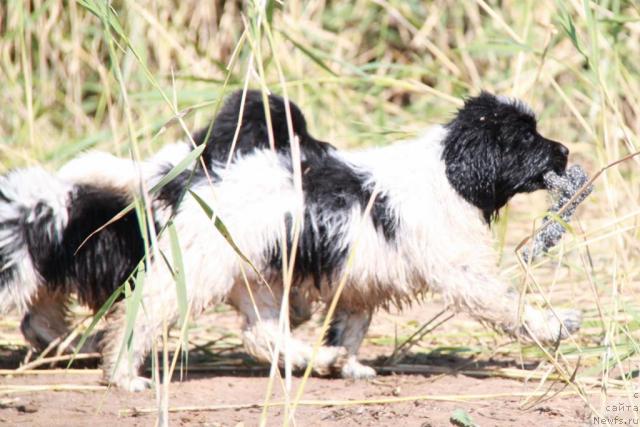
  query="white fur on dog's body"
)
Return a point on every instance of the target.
[
  {"x": 98, "y": 167},
  {"x": 445, "y": 247},
  {"x": 442, "y": 244},
  {"x": 25, "y": 189}
]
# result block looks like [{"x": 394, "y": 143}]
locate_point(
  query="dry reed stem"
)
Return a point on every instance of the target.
[
  {"x": 333, "y": 403},
  {"x": 54, "y": 359},
  {"x": 13, "y": 389},
  {"x": 26, "y": 372}
]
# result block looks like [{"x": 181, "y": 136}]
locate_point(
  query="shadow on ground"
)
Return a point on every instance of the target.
[{"x": 206, "y": 364}]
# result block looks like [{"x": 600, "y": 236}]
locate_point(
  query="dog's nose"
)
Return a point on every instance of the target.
[
  {"x": 560, "y": 157},
  {"x": 563, "y": 149}
]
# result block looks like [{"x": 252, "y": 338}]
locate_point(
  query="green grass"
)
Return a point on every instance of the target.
[{"x": 76, "y": 76}]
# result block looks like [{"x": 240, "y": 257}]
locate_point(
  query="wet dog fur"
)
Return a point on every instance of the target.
[{"x": 415, "y": 213}]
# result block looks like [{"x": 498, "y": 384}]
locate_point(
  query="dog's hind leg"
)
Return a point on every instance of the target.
[
  {"x": 124, "y": 350},
  {"x": 262, "y": 333},
  {"x": 348, "y": 329},
  {"x": 119, "y": 366},
  {"x": 123, "y": 354}
]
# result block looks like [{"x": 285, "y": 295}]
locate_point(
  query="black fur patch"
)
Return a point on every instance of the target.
[
  {"x": 7, "y": 249},
  {"x": 253, "y": 133},
  {"x": 332, "y": 190},
  {"x": 104, "y": 261},
  {"x": 493, "y": 151},
  {"x": 335, "y": 333},
  {"x": 172, "y": 193}
]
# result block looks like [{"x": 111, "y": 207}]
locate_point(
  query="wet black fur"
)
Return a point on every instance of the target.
[
  {"x": 332, "y": 189},
  {"x": 253, "y": 133},
  {"x": 335, "y": 333},
  {"x": 8, "y": 274},
  {"x": 493, "y": 151},
  {"x": 330, "y": 185},
  {"x": 172, "y": 193},
  {"x": 95, "y": 269}
]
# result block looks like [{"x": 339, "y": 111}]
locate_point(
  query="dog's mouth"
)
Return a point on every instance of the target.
[
  {"x": 542, "y": 179},
  {"x": 557, "y": 163},
  {"x": 560, "y": 164},
  {"x": 558, "y": 167}
]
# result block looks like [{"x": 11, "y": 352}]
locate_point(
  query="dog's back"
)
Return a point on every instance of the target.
[
  {"x": 55, "y": 240},
  {"x": 68, "y": 232}
]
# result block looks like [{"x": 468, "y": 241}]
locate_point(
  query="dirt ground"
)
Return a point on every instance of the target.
[{"x": 233, "y": 383}]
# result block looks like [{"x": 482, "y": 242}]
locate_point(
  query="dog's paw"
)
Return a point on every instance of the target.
[
  {"x": 327, "y": 358},
  {"x": 548, "y": 328},
  {"x": 355, "y": 370},
  {"x": 133, "y": 384},
  {"x": 571, "y": 320},
  {"x": 137, "y": 384}
]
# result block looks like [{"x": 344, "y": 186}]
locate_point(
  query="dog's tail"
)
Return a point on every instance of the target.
[{"x": 33, "y": 215}]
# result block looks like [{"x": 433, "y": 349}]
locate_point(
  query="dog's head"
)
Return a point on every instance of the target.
[{"x": 493, "y": 151}]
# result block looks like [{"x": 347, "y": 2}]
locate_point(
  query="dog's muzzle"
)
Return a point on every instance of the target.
[{"x": 560, "y": 157}]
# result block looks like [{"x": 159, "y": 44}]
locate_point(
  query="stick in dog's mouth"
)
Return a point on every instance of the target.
[{"x": 562, "y": 189}]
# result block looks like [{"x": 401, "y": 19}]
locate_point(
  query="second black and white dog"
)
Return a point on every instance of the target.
[{"x": 430, "y": 201}]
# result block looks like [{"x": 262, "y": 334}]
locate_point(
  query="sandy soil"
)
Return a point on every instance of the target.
[
  {"x": 235, "y": 380},
  {"x": 73, "y": 408}
]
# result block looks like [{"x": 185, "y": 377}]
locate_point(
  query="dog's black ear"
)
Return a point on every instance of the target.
[{"x": 472, "y": 158}]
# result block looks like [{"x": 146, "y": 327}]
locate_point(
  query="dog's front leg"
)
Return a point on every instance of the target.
[
  {"x": 348, "y": 329},
  {"x": 490, "y": 300},
  {"x": 262, "y": 337},
  {"x": 263, "y": 334},
  {"x": 122, "y": 360}
]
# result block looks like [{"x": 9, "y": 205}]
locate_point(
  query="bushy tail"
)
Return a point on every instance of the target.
[{"x": 33, "y": 215}]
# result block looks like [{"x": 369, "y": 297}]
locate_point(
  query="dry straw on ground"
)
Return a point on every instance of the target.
[{"x": 77, "y": 76}]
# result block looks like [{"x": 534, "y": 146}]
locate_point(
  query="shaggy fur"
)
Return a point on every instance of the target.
[{"x": 426, "y": 230}]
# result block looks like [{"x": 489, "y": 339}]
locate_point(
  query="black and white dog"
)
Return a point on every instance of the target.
[{"x": 415, "y": 214}]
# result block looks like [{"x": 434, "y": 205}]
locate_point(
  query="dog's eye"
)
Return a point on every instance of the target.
[{"x": 529, "y": 138}]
